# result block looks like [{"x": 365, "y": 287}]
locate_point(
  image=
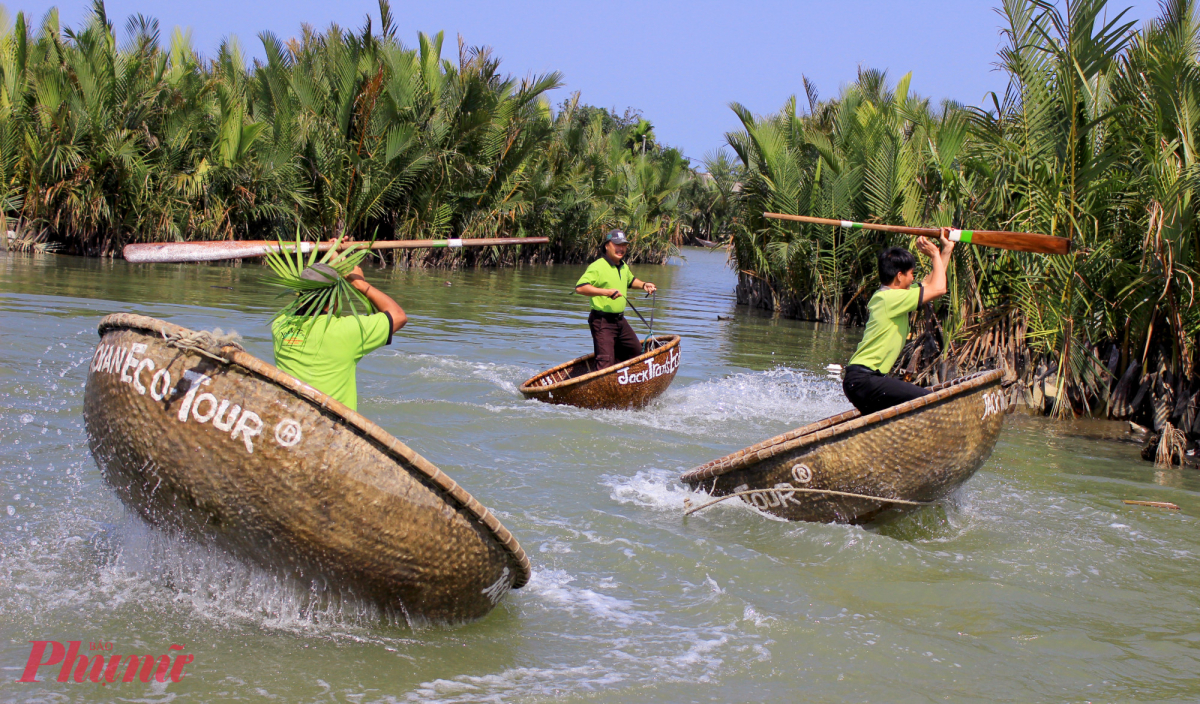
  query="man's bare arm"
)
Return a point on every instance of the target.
[
  {"x": 644, "y": 285},
  {"x": 934, "y": 285},
  {"x": 590, "y": 290},
  {"x": 382, "y": 302}
]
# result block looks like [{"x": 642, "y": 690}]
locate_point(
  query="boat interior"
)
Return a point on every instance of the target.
[{"x": 588, "y": 364}]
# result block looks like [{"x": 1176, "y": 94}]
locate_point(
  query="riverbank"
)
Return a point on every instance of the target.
[
  {"x": 1109, "y": 330},
  {"x": 1034, "y": 582},
  {"x": 359, "y": 134}
]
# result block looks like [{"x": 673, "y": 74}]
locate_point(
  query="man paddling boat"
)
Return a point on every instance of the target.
[
  {"x": 606, "y": 281},
  {"x": 867, "y": 384},
  {"x": 322, "y": 349}
]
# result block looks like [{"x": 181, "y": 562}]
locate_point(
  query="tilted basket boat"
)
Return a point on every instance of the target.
[
  {"x": 629, "y": 384},
  {"x": 918, "y": 451},
  {"x": 205, "y": 438}
]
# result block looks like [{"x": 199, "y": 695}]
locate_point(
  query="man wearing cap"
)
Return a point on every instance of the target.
[{"x": 606, "y": 281}]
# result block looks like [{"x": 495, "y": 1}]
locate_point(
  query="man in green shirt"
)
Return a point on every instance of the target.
[
  {"x": 323, "y": 350},
  {"x": 867, "y": 385},
  {"x": 606, "y": 281}
]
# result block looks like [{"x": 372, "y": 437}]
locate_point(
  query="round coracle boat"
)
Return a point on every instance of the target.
[
  {"x": 629, "y": 384},
  {"x": 849, "y": 468},
  {"x": 197, "y": 435}
]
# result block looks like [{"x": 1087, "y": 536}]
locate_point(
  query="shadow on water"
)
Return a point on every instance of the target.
[{"x": 924, "y": 523}]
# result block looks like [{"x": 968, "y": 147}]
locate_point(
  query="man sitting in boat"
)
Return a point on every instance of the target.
[
  {"x": 606, "y": 281},
  {"x": 323, "y": 350},
  {"x": 867, "y": 384}
]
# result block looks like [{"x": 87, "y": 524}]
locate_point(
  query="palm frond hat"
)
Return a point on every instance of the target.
[{"x": 317, "y": 285}]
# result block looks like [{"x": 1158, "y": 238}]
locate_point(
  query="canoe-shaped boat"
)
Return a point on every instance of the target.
[
  {"x": 916, "y": 452},
  {"x": 202, "y": 437},
  {"x": 629, "y": 384}
]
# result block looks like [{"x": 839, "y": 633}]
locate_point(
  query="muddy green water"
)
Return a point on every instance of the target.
[{"x": 1033, "y": 583}]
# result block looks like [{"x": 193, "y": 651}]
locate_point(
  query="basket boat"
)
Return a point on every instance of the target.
[
  {"x": 202, "y": 437},
  {"x": 629, "y": 384},
  {"x": 918, "y": 451}
]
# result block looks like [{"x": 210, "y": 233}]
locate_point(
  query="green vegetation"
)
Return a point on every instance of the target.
[
  {"x": 354, "y": 134},
  {"x": 1097, "y": 139},
  {"x": 317, "y": 282},
  {"x": 340, "y": 133}
]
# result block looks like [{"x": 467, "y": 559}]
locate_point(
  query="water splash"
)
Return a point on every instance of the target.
[
  {"x": 555, "y": 588},
  {"x": 219, "y": 588},
  {"x": 654, "y": 488},
  {"x": 745, "y": 407}
]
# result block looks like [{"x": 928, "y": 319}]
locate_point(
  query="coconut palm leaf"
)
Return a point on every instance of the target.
[{"x": 317, "y": 286}]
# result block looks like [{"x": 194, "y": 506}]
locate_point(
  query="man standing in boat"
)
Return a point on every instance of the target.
[
  {"x": 606, "y": 281},
  {"x": 323, "y": 350},
  {"x": 867, "y": 384}
]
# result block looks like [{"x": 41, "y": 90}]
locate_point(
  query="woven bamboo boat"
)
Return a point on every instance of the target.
[
  {"x": 202, "y": 437},
  {"x": 916, "y": 452},
  {"x": 630, "y": 384}
]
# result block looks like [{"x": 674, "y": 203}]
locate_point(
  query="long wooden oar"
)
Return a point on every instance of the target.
[
  {"x": 166, "y": 252},
  {"x": 1016, "y": 241}
]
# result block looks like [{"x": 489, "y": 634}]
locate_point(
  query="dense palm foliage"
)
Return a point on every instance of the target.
[
  {"x": 353, "y": 133},
  {"x": 1096, "y": 139},
  {"x": 104, "y": 142}
]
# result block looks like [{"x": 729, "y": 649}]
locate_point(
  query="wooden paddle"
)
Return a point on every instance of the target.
[
  {"x": 167, "y": 252},
  {"x": 1016, "y": 241}
]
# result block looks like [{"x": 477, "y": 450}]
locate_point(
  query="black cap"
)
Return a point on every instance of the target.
[{"x": 616, "y": 237}]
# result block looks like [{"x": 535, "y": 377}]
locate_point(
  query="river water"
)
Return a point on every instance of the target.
[{"x": 1033, "y": 583}]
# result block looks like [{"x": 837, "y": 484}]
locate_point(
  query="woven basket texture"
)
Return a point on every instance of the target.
[
  {"x": 630, "y": 384},
  {"x": 918, "y": 451},
  {"x": 198, "y": 435}
]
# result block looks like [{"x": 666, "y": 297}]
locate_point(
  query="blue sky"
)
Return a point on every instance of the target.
[{"x": 681, "y": 63}]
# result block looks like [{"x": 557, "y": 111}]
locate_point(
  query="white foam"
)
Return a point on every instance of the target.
[
  {"x": 654, "y": 488},
  {"x": 735, "y": 407},
  {"x": 554, "y": 587},
  {"x": 744, "y": 403},
  {"x": 751, "y": 615},
  {"x": 661, "y": 490},
  {"x": 518, "y": 682},
  {"x": 701, "y": 652}
]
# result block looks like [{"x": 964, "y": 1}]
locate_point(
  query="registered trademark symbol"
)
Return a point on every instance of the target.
[{"x": 287, "y": 432}]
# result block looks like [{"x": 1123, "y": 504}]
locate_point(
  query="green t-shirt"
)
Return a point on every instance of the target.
[
  {"x": 601, "y": 274},
  {"x": 887, "y": 327},
  {"x": 323, "y": 351}
]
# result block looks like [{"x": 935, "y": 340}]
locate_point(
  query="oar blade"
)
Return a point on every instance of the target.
[
  {"x": 1017, "y": 241},
  {"x": 175, "y": 252}
]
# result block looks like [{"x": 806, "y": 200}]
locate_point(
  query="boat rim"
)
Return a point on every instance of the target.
[
  {"x": 670, "y": 342},
  {"x": 235, "y": 355},
  {"x": 833, "y": 426}
]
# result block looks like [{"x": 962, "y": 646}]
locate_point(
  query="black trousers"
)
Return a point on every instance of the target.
[
  {"x": 613, "y": 339},
  {"x": 872, "y": 391}
]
